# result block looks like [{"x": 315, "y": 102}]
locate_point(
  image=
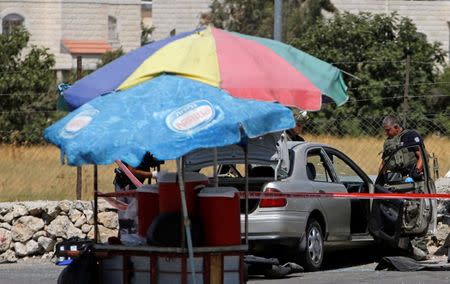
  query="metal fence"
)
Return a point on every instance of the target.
[
  {"x": 35, "y": 172},
  {"x": 365, "y": 146}
]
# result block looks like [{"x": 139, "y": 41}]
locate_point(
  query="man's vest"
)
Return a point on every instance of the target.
[{"x": 403, "y": 159}]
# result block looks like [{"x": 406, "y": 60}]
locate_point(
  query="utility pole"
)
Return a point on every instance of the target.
[
  {"x": 79, "y": 169},
  {"x": 278, "y": 20},
  {"x": 406, "y": 90}
]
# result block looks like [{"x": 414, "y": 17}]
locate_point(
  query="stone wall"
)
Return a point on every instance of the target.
[{"x": 33, "y": 228}]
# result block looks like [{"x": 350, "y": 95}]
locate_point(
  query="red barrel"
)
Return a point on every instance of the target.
[
  {"x": 220, "y": 215},
  {"x": 148, "y": 206},
  {"x": 169, "y": 192}
]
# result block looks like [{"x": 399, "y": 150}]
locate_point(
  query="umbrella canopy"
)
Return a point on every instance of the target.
[
  {"x": 168, "y": 116},
  {"x": 244, "y": 66}
]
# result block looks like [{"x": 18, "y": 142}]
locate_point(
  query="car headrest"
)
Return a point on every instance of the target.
[
  {"x": 262, "y": 171},
  {"x": 311, "y": 171}
]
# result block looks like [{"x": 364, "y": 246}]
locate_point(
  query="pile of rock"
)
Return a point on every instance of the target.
[
  {"x": 443, "y": 209},
  {"x": 33, "y": 228}
]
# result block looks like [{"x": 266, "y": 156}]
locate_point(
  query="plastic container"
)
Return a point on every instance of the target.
[
  {"x": 220, "y": 215},
  {"x": 169, "y": 192},
  {"x": 147, "y": 207}
]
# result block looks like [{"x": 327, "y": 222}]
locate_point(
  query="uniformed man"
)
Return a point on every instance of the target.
[
  {"x": 409, "y": 163},
  {"x": 406, "y": 160}
]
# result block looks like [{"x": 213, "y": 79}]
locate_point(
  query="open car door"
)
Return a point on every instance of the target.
[{"x": 391, "y": 219}]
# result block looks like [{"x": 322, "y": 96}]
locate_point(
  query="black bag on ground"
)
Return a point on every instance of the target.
[
  {"x": 402, "y": 263},
  {"x": 82, "y": 270}
]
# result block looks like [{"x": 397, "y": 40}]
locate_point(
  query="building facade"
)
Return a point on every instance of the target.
[
  {"x": 175, "y": 16},
  {"x": 117, "y": 22},
  {"x": 431, "y": 17},
  {"x": 51, "y": 23}
]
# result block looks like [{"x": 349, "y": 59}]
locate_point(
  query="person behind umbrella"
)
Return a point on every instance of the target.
[
  {"x": 127, "y": 224},
  {"x": 141, "y": 172},
  {"x": 295, "y": 134}
]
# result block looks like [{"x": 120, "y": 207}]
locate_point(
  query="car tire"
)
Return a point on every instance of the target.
[{"x": 312, "y": 256}]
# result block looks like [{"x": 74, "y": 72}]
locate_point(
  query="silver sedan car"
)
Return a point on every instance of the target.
[{"x": 304, "y": 227}]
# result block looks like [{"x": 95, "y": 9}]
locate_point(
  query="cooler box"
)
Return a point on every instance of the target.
[
  {"x": 169, "y": 192},
  {"x": 148, "y": 206},
  {"x": 220, "y": 215}
]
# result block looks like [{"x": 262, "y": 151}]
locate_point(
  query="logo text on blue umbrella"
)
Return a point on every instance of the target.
[
  {"x": 190, "y": 117},
  {"x": 78, "y": 122}
]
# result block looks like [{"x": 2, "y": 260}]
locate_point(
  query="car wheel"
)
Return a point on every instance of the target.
[{"x": 313, "y": 254}]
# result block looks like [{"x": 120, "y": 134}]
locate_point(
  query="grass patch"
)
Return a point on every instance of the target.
[
  {"x": 36, "y": 173},
  {"x": 366, "y": 151}
]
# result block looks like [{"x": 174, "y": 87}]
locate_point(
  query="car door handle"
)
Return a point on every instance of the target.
[{"x": 321, "y": 191}]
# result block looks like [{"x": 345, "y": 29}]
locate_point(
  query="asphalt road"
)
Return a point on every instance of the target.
[
  {"x": 33, "y": 270},
  {"x": 347, "y": 266},
  {"x": 366, "y": 275},
  {"x": 358, "y": 266}
]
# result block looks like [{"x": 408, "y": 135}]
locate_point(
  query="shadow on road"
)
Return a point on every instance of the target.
[{"x": 345, "y": 258}]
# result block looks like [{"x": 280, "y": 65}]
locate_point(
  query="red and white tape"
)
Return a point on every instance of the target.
[
  {"x": 335, "y": 195},
  {"x": 344, "y": 195}
]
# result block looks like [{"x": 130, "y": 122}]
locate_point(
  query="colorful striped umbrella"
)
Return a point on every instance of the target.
[{"x": 244, "y": 66}]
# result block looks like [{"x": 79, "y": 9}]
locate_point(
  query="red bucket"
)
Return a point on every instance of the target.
[
  {"x": 169, "y": 192},
  {"x": 148, "y": 206},
  {"x": 220, "y": 215}
]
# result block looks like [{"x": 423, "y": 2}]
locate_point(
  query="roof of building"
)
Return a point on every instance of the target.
[{"x": 86, "y": 46}]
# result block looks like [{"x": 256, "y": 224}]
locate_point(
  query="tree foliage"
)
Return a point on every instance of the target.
[
  {"x": 20, "y": 71},
  {"x": 373, "y": 48},
  {"x": 252, "y": 17},
  {"x": 110, "y": 56},
  {"x": 442, "y": 98},
  {"x": 255, "y": 17},
  {"x": 26, "y": 99},
  {"x": 106, "y": 57},
  {"x": 300, "y": 15}
]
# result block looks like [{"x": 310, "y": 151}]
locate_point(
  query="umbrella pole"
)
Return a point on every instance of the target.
[
  {"x": 216, "y": 178},
  {"x": 246, "y": 192},
  {"x": 187, "y": 224},
  {"x": 95, "y": 204}
]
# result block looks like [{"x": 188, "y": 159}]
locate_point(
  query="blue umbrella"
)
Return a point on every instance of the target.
[{"x": 168, "y": 116}]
